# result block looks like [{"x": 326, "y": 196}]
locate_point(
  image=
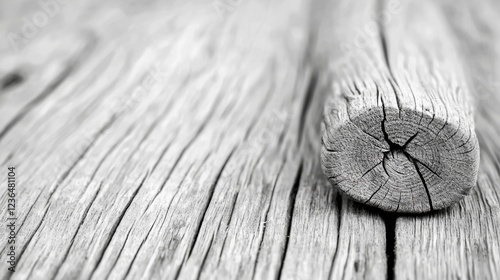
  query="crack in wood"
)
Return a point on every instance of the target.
[
  {"x": 82, "y": 220},
  {"x": 390, "y": 244},
  {"x": 290, "y": 210},
  {"x": 393, "y": 147},
  {"x": 311, "y": 88},
  {"x": 210, "y": 196},
  {"x": 117, "y": 224},
  {"x": 138, "y": 249},
  {"x": 265, "y": 220},
  {"x": 422, "y": 179}
]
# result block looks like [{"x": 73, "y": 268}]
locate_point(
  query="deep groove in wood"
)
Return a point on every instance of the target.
[
  {"x": 118, "y": 222},
  {"x": 422, "y": 179},
  {"x": 291, "y": 207},
  {"x": 311, "y": 88},
  {"x": 211, "y": 192},
  {"x": 390, "y": 247}
]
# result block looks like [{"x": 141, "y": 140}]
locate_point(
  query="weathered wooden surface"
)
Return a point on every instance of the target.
[
  {"x": 463, "y": 242},
  {"x": 197, "y": 170},
  {"x": 182, "y": 141}
]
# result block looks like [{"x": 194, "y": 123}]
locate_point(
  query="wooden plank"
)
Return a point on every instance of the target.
[
  {"x": 398, "y": 131},
  {"x": 183, "y": 144},
  {"x": 463, "y": 242}
]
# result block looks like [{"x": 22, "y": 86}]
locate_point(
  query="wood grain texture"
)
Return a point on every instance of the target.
[
  {"x": 169, "y": 140},
  {"x": 398, "y": 131},
  {"x": 182, "y": 142},
  {"x": 463, "y": 242},
  {"x": 356, "y": 247}
]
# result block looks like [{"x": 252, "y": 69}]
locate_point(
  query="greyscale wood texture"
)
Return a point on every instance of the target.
[
  {"x": 463, "y": 242},
  {"x": 398, "y": 131},
  {"x": 174, "y": 142},
  {"x": 168, "y": 140}
]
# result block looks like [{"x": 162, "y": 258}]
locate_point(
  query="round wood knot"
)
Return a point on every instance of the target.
[{"x": 401, "y": 160}]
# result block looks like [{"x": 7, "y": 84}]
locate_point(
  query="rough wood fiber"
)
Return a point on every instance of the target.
[
  {"x": 356, "y": 236},
  {"x": 463, "y": 242},
  {"x": 398, "y": 131},
  {"x": 179, "y": 143}
]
